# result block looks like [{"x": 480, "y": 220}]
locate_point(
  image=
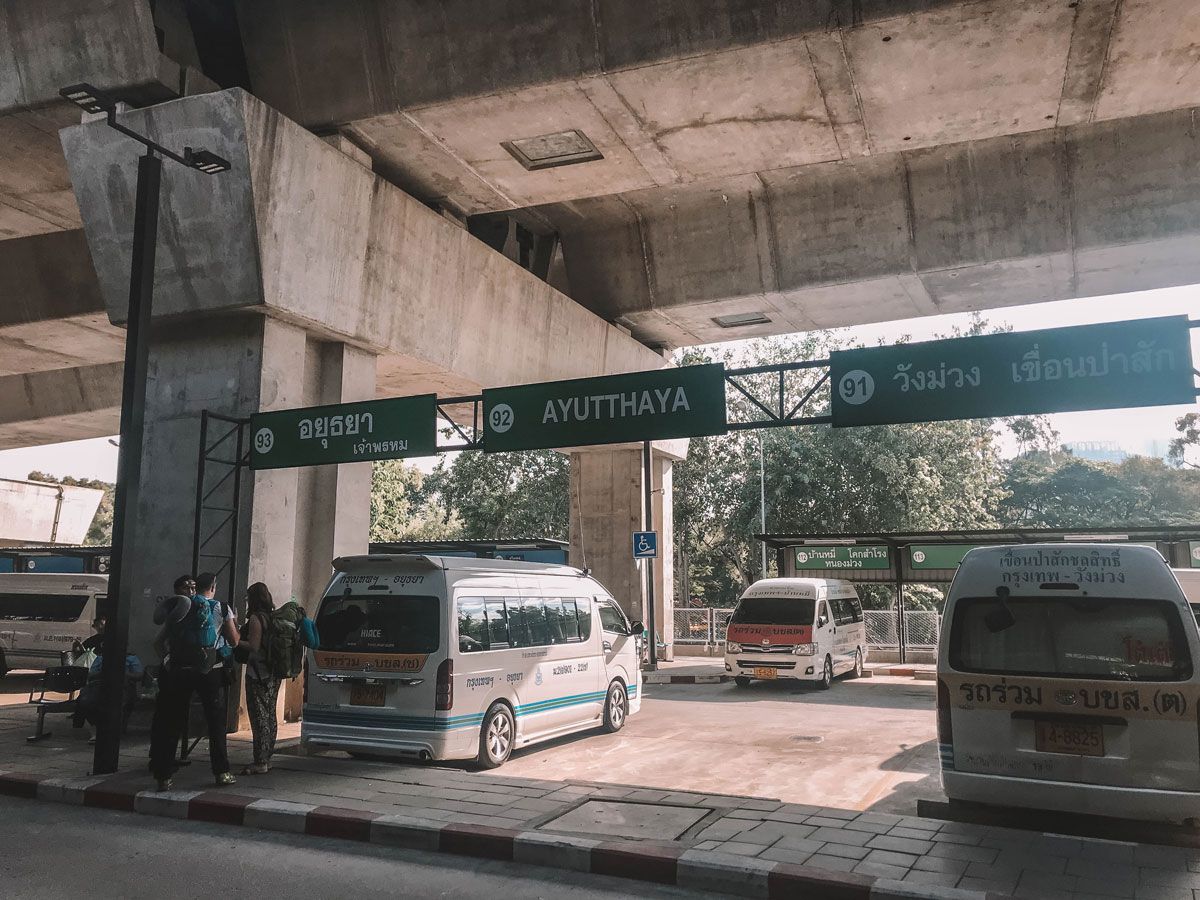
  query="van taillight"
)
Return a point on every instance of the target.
[
  {"x": 945, "y": 731},
  {"x": 445, "y": 685}
]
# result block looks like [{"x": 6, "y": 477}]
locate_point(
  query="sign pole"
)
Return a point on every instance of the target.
[{"x": 651, "y": 624}]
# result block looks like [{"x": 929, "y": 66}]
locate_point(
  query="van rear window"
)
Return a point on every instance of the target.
[
  {"x": 1070, "y": 637},
  {"x": 379, "y": 624},
  {"x": 774, "y": 611},
  {"x": 42, "y": 607}
]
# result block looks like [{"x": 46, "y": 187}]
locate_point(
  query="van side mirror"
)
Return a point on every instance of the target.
[
  {"x": 728, "y": 619},
  {"x": 823, "y": 621},
  {"x": 637, "y": 628}
]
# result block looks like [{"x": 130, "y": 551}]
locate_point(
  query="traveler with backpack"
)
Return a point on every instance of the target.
[
  {"x": 273, "y": 642},
  {"x": 199, "y": 634}
]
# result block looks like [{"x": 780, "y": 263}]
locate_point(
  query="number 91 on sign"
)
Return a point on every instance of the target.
[{"x": 856, "y": 387}]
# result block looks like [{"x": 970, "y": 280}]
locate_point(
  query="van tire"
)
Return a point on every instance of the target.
[
  {"x": 3, "y": 665},
  {"x": 741, "y": 680},
  {"x": 497, "y": 736},
  {"x": 857, "y": 671},
  {"x": 616, "y": 707},
  {"x": 826, "y": 681}
]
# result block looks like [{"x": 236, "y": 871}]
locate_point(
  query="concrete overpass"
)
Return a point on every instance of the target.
[{"x": 447, "y": 196}]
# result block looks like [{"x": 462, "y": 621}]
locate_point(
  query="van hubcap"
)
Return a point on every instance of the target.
[
  {"x": 499, "y": 736},
  {"x": 616, "y": 706}
]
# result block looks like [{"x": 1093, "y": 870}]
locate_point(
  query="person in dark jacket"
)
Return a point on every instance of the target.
[{"x": 262, "y": 685}]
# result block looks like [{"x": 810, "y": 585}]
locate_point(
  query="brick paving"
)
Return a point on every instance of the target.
[{"x": 756, "y": 842}]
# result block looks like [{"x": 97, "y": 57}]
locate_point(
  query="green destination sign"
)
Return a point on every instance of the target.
[
  {"x": 937, "y": 556},
  {"x": 613, "y": 409},
  {"x": 1144, "y": 362},
  {"x": 345, "y": 432},
  {"x": 839, "y": 557}
]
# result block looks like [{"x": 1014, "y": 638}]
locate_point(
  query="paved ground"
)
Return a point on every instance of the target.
[
  {"x": 133, "y": 857},
  {"x": 533, "y": 796},
  {"x": 772, "y": 740},
  {"x": 799, "y": 745}
]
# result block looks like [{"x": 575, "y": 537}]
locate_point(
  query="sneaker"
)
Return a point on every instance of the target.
[
  {"x": 225, "y": 779},
  {"x": 165, "y": 784}
]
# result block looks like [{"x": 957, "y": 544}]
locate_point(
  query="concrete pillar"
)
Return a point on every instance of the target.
[{"x": 607, "y": 506}]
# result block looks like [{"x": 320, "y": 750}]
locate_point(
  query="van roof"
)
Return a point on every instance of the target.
[
  {"x": 1100, "y": 569},
  {"x": 768, "y": 585},
  {"x": 42, "y": 581},
  {"x": 382, "y": 562}
]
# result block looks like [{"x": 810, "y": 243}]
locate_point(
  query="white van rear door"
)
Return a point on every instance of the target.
[{"x": 1097, "y": 690}]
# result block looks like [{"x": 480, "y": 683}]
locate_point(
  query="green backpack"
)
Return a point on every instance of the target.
[{"x": 284, "y": 650}]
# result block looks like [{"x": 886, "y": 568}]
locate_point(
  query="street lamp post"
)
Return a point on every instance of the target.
[{"x": 133, "y": 407}]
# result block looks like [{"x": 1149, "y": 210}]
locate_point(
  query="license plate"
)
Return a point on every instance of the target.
[
  {"x": 763, "y": 672},
  {"x": 1069, "y": 737},
  {"x": 367, "y": 694}
]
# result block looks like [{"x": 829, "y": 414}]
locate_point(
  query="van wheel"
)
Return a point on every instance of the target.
[
  {"x": 741, "y": 680},
  {"x": 3, "y": 665},
  {"x": 496, "y": 737},
  {"x": 857, "y": 671},
  {"x": 826, "y": 675},
  {"x": 616, "y": 708}
]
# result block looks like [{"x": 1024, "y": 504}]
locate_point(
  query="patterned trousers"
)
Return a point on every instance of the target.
[{"x": 260, "y": 706}]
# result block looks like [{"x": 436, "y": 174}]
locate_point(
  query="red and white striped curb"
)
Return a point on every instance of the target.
[
  {"x": 668, "y": 678},
  {"x": 663, "y": 864}
]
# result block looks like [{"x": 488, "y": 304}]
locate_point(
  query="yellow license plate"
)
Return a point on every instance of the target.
[
  {"x": 367, "y": 694},
  {"x": 763, "y": 672},
  {"x": 1069, "y": 737}
]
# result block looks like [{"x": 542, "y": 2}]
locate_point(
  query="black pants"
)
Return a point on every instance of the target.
[{"x": 171, "y": 713}]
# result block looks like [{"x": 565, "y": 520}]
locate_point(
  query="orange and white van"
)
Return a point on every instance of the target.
[
  {"x": 803, "y": 629},
  {"x": 1067, "y": 681}
]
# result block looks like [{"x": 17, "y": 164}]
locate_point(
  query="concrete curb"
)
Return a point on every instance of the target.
[
  {"x": 690, "y": 868},
  {"x": 667, "y": 678},
  {"x": 900, "y": 671}
]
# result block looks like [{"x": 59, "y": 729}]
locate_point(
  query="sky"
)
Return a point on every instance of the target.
[{"x": 1145, "y": 430}]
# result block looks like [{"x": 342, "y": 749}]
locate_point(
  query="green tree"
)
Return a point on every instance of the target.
[
  {"x": 402, "y": 508},
  {"x": 1188, "y": 427},
  {"x": 504, "y": 495},
  {"x": 100, "y": 531}
]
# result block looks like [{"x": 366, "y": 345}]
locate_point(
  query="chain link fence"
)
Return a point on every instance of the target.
[
  {"x": 921, "y": 629},
  {"x": 881, "y": 629},
  {"x": 706, "y": 626},
  {"x": 700, "y": 625}
]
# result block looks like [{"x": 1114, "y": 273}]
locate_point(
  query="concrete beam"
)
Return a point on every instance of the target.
[
  {"x": 59, "y": 405},
  {"x": 302, "y": 232},
  {"x": 1076, "y": 212}
]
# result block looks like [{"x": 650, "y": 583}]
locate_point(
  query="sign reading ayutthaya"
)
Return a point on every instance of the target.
[{"x": 1144, "y": 362}]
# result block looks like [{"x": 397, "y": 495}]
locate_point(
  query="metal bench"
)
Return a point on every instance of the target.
[{"x": 68, "y": 680}]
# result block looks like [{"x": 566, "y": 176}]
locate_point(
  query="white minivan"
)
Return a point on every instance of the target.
[
  {"x": 460, "y": 658},
  {"x": 1067, "y": 681},
  {"x": 807, "y": 629},
  {"x": 43, "y": 615}
]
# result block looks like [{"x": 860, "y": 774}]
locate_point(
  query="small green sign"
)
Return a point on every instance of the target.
[
  {"x": 1194, "y": 554},
  {"x": 937, "y": 556},
  {"x": 1144, "y": 362},
  {"x": 344, "y": 433},
  {"x": 612, "y": 409},
  {"x": 842, "y": 557}
]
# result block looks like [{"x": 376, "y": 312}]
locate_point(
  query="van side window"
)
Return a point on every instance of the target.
[
  {"x": 842, "y": 613},
  {"x": 472, "y": 625},
  {"x": 497, "y": 620},
  {"x": 570, "y": 621},
  {"x": 42, "y": 607},
  {"x": 856, "y": 608},
  {"x": 611, "y": 618},
  {"x": 583, "y": 606},
  {"x": 535, "y": 621},
  {"x": 518, "y": 631},
  {"x": 554, "y": 620}
]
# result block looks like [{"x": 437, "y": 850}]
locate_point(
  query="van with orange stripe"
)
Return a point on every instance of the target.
[{"x": 801, "y": 629}]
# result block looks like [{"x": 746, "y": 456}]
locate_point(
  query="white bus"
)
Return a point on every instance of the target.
[
  {"x": 458, "y": 658},
  {"x": 806, "y": 629},
  {"x": 42, "y": 616},
  {"x": 1067, "y": 681}
]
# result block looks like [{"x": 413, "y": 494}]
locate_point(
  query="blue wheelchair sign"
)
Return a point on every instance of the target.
[{"x": 645, "y": 545}]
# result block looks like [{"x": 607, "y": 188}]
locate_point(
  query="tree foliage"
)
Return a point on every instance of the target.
[{"x": 402, "y": 508}]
